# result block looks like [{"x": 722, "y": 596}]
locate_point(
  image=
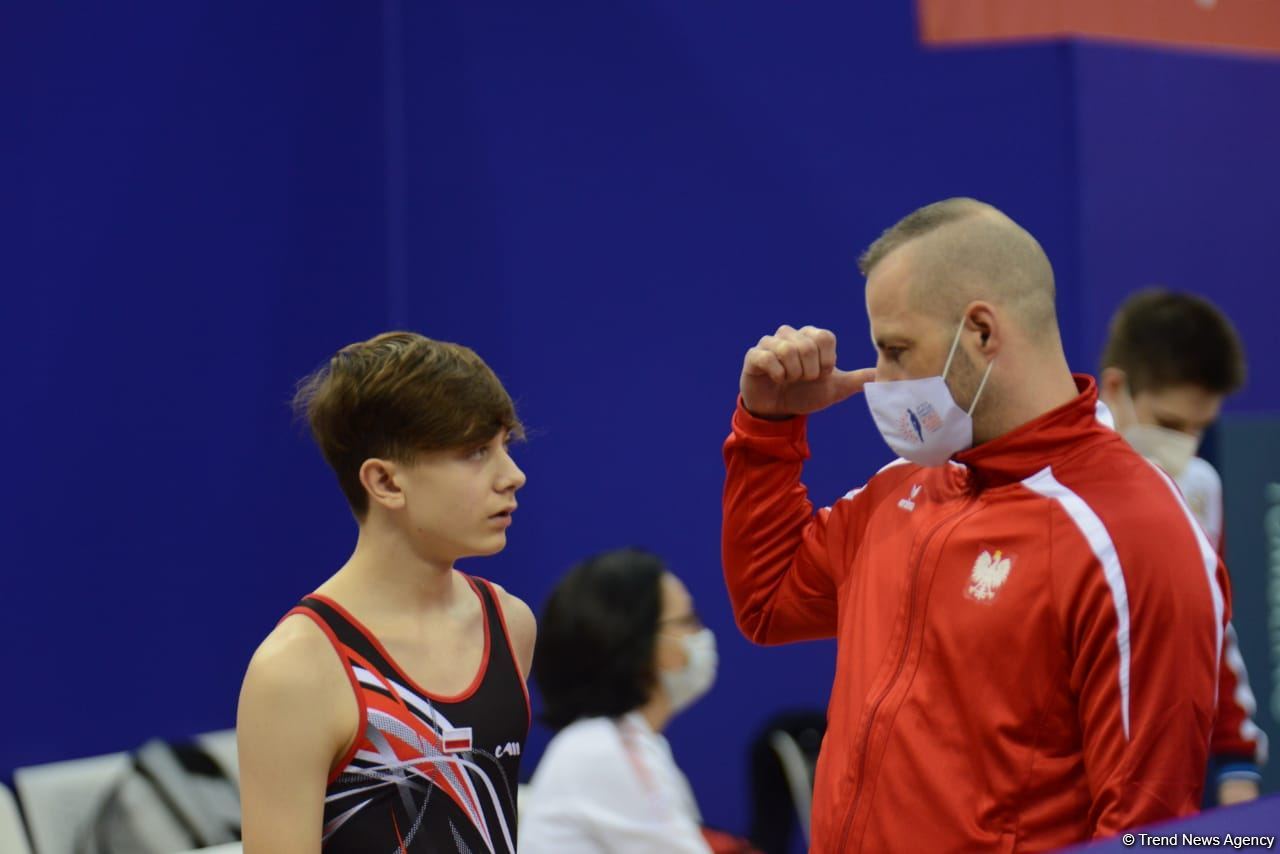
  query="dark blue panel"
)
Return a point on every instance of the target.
[
  {"x": 1179, "y": 186},
  {"x": 200, "y": 220}
]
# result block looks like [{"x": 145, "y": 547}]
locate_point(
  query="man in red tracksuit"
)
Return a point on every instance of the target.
[{"x": 1029, "y": 621}]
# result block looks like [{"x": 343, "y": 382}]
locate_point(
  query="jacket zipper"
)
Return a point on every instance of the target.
[{"x": 902, "y": 662}]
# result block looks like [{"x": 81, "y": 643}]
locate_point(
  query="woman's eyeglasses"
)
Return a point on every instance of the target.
[{"x": 686, "y": 621}]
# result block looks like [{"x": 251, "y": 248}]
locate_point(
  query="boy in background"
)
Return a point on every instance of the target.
[{"x": 1170, "y": 361}]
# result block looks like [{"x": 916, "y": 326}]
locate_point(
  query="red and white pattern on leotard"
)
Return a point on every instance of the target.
[{"x": 402, "y": 746}]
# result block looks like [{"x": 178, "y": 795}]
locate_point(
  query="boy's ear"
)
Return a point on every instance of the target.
[
  {"x": 1111, "y": 383},
  {"x": 381, "y": 479}
]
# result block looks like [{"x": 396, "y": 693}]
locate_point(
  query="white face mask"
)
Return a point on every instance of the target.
[
  {"x": 686, "y": 685},
  {"x": 1169, "y": 449},
  {"x": 919, "y": 419}
]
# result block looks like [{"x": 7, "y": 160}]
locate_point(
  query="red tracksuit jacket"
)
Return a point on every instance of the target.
[
  {"x": 1028, "y": 642},
  {"x": 1237, "y": 747}
]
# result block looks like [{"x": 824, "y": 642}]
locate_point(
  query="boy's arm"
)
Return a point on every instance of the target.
[
  {"x": 297, "y": 714},
  {"x": 1238, "y": 746}
]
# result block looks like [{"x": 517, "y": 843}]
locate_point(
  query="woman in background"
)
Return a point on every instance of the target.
[{"x": 621, "y": 650}]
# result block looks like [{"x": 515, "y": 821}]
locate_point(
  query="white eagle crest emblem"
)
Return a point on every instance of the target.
[{"x": 990, "y": 572}]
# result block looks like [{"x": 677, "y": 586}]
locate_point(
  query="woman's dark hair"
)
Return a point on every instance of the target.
[{"x": 594, "y": 655}]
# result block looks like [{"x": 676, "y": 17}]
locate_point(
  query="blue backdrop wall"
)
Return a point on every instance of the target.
[
  {"x": 194, "y": 209},
  {"x": 609, "y": 202}
]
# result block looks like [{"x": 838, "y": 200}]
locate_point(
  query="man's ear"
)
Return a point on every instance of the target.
[
  {"x": 982, "y": 318},
  {"x": 380, "y": 479}
]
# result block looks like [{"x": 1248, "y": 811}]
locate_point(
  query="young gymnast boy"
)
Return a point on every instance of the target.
[{"x": 388, "y": 710}]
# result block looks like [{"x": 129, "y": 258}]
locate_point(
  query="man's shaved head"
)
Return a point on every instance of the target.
[{"x": 961, "y": 250}]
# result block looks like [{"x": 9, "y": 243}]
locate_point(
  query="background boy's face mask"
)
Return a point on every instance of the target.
[
  {"x": 919, "y": 419},
  {"x": 1172, "y": 450}
]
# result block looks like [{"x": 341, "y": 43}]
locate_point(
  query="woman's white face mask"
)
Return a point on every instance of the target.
[
  {"x": 691, "y": 682},
  {"x": 919, "y": 419}
]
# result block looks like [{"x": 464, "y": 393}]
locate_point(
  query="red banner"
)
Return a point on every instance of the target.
[{"x": 1237, "y": 25}]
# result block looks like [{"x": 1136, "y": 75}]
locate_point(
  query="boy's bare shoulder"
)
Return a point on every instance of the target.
[
  {"x": 521, "y": 625},
  {"x": 295, "y": 663}
]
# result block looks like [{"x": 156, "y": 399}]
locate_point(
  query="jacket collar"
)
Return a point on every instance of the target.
[{"x": 1040, "y": 442}]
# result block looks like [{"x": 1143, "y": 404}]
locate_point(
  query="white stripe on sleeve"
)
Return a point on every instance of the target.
[{"x": 1095, "y": 533}]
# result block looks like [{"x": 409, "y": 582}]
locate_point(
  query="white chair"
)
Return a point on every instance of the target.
[
  {"x": 13, "y": 836},
  {"x": 61, "y": 797},
  {"x": 221, "y": 745},
  {"x": 798, "y": 771}
]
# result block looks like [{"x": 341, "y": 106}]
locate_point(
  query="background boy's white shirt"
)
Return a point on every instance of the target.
[
  {"x": 610, "y": 786},
  {"x": 1202, "y": 488}
]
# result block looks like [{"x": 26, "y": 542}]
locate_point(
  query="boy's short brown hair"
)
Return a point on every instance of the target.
[
  {"x": 1162, "y": 338},
  {"x": 395, "y": 396}
]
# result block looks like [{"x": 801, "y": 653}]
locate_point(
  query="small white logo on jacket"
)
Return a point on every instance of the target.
[
  {"x": 989, "y": 573},
  {"x": 909, "y": 504},
  {"x": 511, "y": 748}
]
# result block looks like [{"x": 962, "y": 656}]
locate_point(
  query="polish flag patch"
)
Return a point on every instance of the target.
[{"x": 456, "y": 740}]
